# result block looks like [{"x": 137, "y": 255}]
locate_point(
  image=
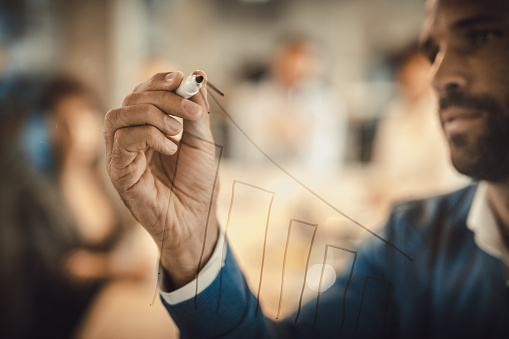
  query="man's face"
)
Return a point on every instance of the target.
[{"x": 467, "y": 42}]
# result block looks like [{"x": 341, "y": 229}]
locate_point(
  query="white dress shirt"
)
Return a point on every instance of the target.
[
  {"x": 482, "y": 222},
  {"x": 206, "y": 276}
]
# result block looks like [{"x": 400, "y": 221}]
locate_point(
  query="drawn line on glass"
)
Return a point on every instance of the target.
[
  {"x": 284, "y": 263},
  {"x": 235, "y": 182},
  {"x": 174, "y": 177},
  {"x": 159, "y": 277},
  {"x": 208, "y": 213},
  {"x": 347, "y": 284},
  {"x": 362, "y": 299},
  {"x": 306, "y": 187}
]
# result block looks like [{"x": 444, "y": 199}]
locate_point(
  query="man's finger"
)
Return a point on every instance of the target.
[
  {"x": 161, "y": 82},
  {"x": 168, "y": 102},
  {"x": 127, "y": 142},
  {"x": 137, "y": 115}
]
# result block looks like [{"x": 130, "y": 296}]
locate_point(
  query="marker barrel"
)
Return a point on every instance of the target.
[{"x": 190, "y": 86}]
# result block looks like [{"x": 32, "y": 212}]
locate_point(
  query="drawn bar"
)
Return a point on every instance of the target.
[
  {"x": 362, "y": 299},
  {"x": 235, "y": 182},
  {"x": 284, "y": 263},
  {"x": 347, "y": 284},
  {"x": 199, "y": 267}
]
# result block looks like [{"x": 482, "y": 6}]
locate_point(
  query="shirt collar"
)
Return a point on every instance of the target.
[{"x": 482, "y": 222}]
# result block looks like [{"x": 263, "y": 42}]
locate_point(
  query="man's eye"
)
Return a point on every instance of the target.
[
  {"x": 484, "y": 37},
  {"x": 429, "y": 51},
  {"x": 431, "y": 54}
]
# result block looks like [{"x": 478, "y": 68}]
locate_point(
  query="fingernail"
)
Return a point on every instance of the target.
[
  {"x": 169, "y": 77},
  {"x": 171, "y": 145},
  {"x": 191, "y": 107},
  {"x": 172, "y": 124}
]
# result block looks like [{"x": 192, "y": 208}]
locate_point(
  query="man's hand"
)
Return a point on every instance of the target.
[{"x": 168, "y": 191}]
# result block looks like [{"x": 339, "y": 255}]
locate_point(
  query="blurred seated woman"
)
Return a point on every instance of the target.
[
  {"x": 39, "y": 296},
  {"x": 73, "y": 123}
]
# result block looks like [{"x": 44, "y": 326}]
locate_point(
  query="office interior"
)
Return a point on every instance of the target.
[{"x": 306, "y": 163}]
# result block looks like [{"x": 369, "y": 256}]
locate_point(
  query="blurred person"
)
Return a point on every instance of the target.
[
  {"x": 113, "y": 251},
  {"x": 40, "y": 297},
  {"x": 442, "y": 271},
  {"x": 409, "y": 136},
  {"x": 291, "y": 114},
  {"x": 73, "y": 122}
]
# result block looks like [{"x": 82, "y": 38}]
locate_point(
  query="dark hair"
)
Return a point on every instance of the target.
[{"x": 62, "y": 86}]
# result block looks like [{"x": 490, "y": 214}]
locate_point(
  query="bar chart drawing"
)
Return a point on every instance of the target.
[
  {"x": 388, "y": 289},
  {"x": 327, "y": 247},
  {"x": 234, "y": 185},
  {"x": 315, "y": 226},
  {"x": 304, "y": 186}
]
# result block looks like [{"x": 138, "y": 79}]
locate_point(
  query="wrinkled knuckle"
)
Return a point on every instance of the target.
[
  {"x": 153, "y": 132},
  {"x": 114, "y": 162},
  {"x": 126, "y": 100},
  {"x": 150, "y": 81},
  {"x": 121, "y": 185},
  {"x": 118, "y": 137},
  {"x": 110, "y": 118},
  {"x": 166, "y": 96},
  {"x": 131, "y": 97},
  {"x": 156, "y": 78},
  {"x": 138, "y": 87},
  {"x": 150, "y": 110}
]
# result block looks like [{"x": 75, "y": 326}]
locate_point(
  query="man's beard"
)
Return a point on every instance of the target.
[{"x": 486, "y": 157}]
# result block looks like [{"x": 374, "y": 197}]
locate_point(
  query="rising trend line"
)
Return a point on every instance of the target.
[{"x": 306, "y": 187}]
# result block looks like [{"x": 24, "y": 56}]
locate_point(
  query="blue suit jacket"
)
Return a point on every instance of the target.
[{"x": 452, "y": 289}]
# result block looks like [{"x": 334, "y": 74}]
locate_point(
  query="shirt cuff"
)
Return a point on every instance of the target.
[{"x": 205, "y": 278}]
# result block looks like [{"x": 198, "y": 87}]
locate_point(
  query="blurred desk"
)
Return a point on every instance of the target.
[{"x": 122, "y": 310}]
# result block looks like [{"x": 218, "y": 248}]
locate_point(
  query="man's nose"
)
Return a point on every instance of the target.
[{"x": 449, "y": 72}]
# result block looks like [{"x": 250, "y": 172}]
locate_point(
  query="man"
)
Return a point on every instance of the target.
[{"x": 456, "y": 284}]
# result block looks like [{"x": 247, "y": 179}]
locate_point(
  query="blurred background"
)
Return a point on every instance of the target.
[{"x": 332, "y": 91}]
